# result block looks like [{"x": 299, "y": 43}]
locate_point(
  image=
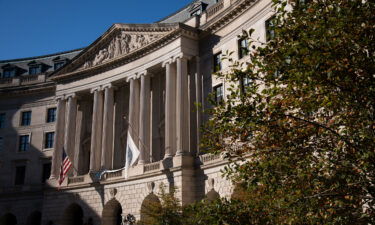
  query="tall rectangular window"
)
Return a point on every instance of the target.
[
  {"x": 218, "y": 92},
  {"x": 243, "y": 48},
  {"x": 24, "y": 143},
  {"x": 20, "y": 175},
  {"x": 1, "y": 144},
  {"x": 270, "y": 29},
  {"x": 49, "y": 139},
  {"x": 51, "y": 115},
  {"x": 2, "y": 120},
  {"x": 217, "y": 62},
  {"x": 46, "y": 172},
  {"x": 26, "y": 118}
]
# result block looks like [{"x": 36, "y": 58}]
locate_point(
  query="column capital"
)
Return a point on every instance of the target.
[
  {"x": 132, "y": 77},
  {"x": 92, "y": 90},
  {"x": 168, "y": 61},
  {"x": 109, "y": 86},
  {"x": 141, "y": 74},
  {"x": 182, "y": 55},
  {"x": 59, "y": 98},
  {"x": 72, "y": 95}
]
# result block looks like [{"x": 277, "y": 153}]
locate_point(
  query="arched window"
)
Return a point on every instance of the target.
[
  {"x": 112, "y": 213},
  {"x": 34, "y": 218},
  {"x": 73, "y": 215},
  {"x": 8, "y": 219},
  {"x": 150, "y": 207}
]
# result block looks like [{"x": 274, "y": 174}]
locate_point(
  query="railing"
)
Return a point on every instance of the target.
[
  {"x": 6, "y": 80},
  {"x": 151, "y": 167},
  {"x": 74, "y": 180},
  {"x": 29, "y": 79},
  {"x": 215, "y": 9},
  {"x": 114, "y": 174},
  {"x": 209, "y": 157}
]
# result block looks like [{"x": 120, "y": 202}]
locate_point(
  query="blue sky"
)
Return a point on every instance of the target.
[{"x": 39, "y": 27}]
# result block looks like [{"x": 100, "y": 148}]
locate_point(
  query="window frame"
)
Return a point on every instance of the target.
[
  {"x": 2, "y": 140},
  {"x": 47, "y": 114},
  {"x": 243, "y": 51},
  {"x": 15, "y": 174},
  {"x": 43, "y": 177},
  {"x": 19, "y": 144},
  {"x": 2, "y": 120},
  {"x": 270, "y": 33},
  {"x": 37, "y": 68},
  {"x": 59, "y": 63},
  {"x": 45, "y": 147},
  {"x": 215, "y": 88},
  {"x": 9, "y": 72},
  {"x": 217, "y": 62},
  {"x": 22, "y": 118}
]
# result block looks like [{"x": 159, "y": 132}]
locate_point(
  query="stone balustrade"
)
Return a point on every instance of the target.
[
  {"x": 215, "y": 9},
  {"x": 151, "y": 167},
  {"x": 23, "y": 80}
]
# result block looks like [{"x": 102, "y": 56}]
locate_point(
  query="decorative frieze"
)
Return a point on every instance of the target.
[{"x": 122, "y": 44}]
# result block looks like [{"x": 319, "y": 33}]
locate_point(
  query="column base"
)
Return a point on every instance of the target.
[{"x": 185, "y": 161}]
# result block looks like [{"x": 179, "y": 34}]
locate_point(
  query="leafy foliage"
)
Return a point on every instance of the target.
[{"x": 301, "y": 135}]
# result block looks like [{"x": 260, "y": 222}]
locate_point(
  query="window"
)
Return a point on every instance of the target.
[
  {"x": 46, "y": 172},
  {"x": 58, "y": 65},
  {"x": 2, "y": 120},
  {"x": 33, "y": 70},
  {"x": 51, "y": 115},
  {"x": 244, "y": 83},
  {"x": 1, "y": 144},
  {"x": 218, "y": 92},
  {"x": 48, "y": 139},
  {"x": 9, "y": 72},
  {"x": 243, "y": 48},
  {"x": 26, "y": 118},
  {"x": 270, "y": 29},
  {"x": 20, "y": 175},
  {"x": 24, "y": 143},
  {"x": 217, "y": 62},
  {"x": 196, "y": 13}
]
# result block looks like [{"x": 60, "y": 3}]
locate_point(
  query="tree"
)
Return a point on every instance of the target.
[{"x": 301, "y": 134}]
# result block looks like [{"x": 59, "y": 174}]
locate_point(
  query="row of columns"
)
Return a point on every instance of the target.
[{"x": 177, "y": 113}]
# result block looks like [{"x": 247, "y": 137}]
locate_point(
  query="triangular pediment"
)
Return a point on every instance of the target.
[{"x": 118, "y": 42}]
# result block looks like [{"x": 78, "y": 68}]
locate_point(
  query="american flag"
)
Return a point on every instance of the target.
[{"x": 65, "y": 166}]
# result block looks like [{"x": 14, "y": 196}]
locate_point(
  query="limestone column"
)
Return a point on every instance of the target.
[
  {"x": 107, "y": 142},
  {"x": 182, "y": 110},
  {"x": 134, "y": 111},
  {"x": 96, "y": 131},
  {"x": 198, "y": 94},
  {"x": 70, "y": 126},
  {"x": 170, "y": 109},
  {"x": 59, "y": 138},
  {"x": 144, "y": 122}
]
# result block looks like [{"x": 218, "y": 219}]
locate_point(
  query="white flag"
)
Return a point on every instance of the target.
[{"x": 132, "y": 154}]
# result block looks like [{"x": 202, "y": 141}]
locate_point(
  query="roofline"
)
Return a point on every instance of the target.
[
  {"x": 42, "y": 56},
  {"x": 164, "y": 18}
]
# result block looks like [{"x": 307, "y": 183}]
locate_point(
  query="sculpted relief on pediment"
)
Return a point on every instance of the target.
[{"x": 122, "y": 44}]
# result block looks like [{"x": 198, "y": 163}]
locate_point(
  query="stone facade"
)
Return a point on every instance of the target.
[{"x": 135, "y": 82}]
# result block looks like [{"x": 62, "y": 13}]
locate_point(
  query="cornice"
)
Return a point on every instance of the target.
[
  {"x": 174, "y": 31},
  {"x": 227, "y": 16},
  {"x": 29, "y": 89}
]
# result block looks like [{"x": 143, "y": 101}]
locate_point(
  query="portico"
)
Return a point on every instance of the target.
[{"x": 149, "y": 96}]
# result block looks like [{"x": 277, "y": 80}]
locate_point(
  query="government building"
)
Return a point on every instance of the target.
[{"x": 126, "y": 111}]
